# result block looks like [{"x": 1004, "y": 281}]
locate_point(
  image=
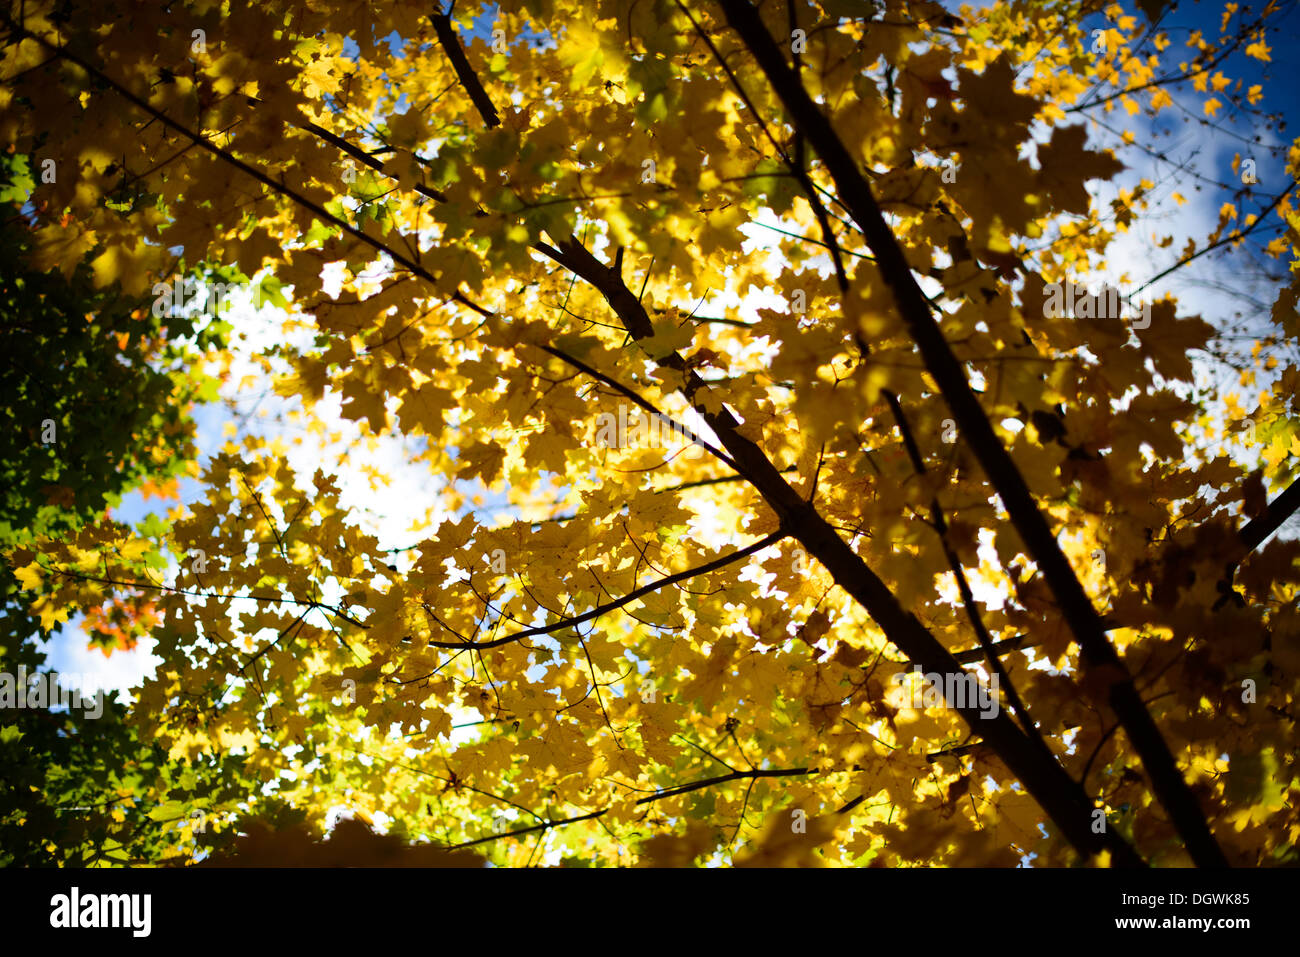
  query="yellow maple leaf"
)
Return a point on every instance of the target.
[{"x": 29, "y": 576}]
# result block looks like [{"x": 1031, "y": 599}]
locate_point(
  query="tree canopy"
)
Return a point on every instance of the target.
[
  {"x": 795, "y": 491},
  {"x": 100, "y": 394}
]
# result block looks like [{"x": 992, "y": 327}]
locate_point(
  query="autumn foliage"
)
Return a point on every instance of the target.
[{"x": 815, "y": 241}]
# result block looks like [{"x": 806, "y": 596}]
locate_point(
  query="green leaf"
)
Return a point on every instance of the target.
[
  {"x": 768, "y": 182},
  {"x": 168, "y": 811},
  {"x": 10, "y": 733},
  {"x": 268, "y": 290}
]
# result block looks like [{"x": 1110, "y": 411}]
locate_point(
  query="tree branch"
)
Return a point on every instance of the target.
[
  {"x": 963, "y": 586},
  {"x": 357, "y": 153},
  {"x": 631, "y": 596},
  {"x": 643, "y": 403},
  {"x": 1253, "y": 534},
  {"x": 224, "y": 155},
  {"x": 464, "y": 72},
  {"x": 1277, "y": 512},
  {"x": 949, "y": 375},
  {"x": 1059, "y": 795},
  {"x": 1235, "y": 237},
  {"x": 648, "y": 799}
]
